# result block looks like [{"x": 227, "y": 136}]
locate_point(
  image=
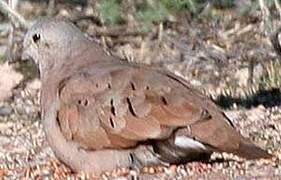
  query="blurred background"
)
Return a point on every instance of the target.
[{"x": 222, "y": 47}]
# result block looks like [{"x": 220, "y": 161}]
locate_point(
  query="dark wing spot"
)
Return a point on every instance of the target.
[
  {"x": 112, "y": 108},
  {"x": 57, "y": 119},
  {"x": 164, "y": 100},
  {"x": 133, "y": 86},
  {"x": 109, "y": 86},
  {"x": 79, "y": 102},
  {"x": 86, "y": 102},
  {"x": 147, "y": 87},
  {"x": 112, "y": 123},
  {"x": 130, "y": 106},
  {"x": 97, "y": 85}
]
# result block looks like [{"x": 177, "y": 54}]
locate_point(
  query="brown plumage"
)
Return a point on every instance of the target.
[{"x": 100, "y": 113}]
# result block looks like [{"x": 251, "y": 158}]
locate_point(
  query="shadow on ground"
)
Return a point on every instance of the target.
[{"x": 267, "y": 98}]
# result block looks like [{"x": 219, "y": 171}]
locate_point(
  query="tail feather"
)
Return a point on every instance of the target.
[
  {"x": 222, "y": 137},
  {"x": 250, "y": 151}
]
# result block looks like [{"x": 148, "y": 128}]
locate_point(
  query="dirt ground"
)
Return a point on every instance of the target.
[{"x": 229, "y": 58}]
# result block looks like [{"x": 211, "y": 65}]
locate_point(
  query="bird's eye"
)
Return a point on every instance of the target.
[{"x": 36, "y": 38}]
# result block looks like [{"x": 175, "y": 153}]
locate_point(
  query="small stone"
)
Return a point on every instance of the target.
[
  {"x": 151, "y": 170},
  {"x": 173, "y": 168},
  {"x": 5, "y": 110},
  {"x": 145, "y": 169}
]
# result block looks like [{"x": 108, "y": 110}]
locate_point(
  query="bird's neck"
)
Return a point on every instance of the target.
[{"x": 81, "y": 54}]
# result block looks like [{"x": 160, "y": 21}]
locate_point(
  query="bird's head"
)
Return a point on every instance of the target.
[{"x": 50, "y": 41}]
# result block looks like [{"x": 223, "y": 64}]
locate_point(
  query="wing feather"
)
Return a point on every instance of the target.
[{"x": 105, "y": 111}]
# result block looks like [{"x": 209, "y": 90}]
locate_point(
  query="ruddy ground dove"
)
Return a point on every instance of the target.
[{"x": 99, "y": 112}]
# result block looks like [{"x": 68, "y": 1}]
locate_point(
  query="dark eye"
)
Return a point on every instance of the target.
[{"x": 36, "y": 37}]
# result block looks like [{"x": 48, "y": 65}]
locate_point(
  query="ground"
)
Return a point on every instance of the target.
[{"x": 228, "y": 57}]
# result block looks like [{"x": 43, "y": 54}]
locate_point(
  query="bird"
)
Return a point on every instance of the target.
[{"x": 100, "y": 112}]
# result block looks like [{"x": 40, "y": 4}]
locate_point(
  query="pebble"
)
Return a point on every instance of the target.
[
  {"x": 151, "y": 170},
  {"x": 5, "y": 110}
]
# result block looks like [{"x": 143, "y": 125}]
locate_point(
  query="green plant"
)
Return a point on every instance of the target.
[
  {"x": 178, "y": 5},
  {"x": 152, "y": 13},
  {"x": 110, "y": 11},
  {"x": 254, "y": 6},
  {"x": 272, "y": 76}
]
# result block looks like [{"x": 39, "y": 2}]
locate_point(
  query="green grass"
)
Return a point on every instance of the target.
[
  {"x": 223, "y": 3},
  {"x": 178, "y": 5},
  {"x": 149, "y": 14},
  {"x": 254, "y": 6},
  {"x": 155, "y": 11},
  {"x": 272, "y": 76},
  {"x": 110, "y": 11}
]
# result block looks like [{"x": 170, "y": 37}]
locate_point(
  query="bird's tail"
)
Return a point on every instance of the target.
[
  {"x": 250, "y": 151},
  {"x": 219, "y": 133}
]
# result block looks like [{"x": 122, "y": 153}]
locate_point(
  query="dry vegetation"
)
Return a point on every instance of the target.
[{"x": 222, "y": 47}]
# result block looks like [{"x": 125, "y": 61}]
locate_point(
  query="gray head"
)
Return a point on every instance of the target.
[{"x": 49, "y": 42}]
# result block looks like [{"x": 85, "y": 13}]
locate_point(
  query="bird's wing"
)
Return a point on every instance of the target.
[{"x": 120, "y": 106}]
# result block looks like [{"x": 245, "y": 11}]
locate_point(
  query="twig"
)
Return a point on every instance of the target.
[
  {"x": 265, "y": 13},
  {"x": 96, "y": 20},
  {"x": 116, "y": 31},
  {"x": 274, "y": 38},
  {"x": 246, "y": 29},
  {"x": 160, "y": 32},
  {"x": 14, "y": 16},
  {"x": 51, "y": 7},
  {"x": 124, "y": 40},
  {"x": 13, "y": 47},
  {"x": 278, "y": 7},
  {"x": 10, "y": 45},
  {"x": 264, "y": 9},
  {"x": 226, "y": 34}
]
